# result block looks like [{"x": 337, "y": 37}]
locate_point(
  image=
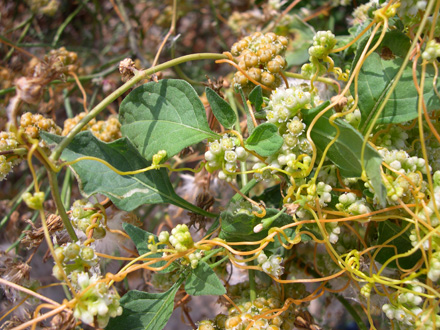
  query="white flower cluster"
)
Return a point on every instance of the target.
[
  {"x": 323, "y": 43},
  {"x": 434, "y": 267},
  {"x": 320, "y": 190},
  {"x": 223, "y": 154},
  {"x": 425, "y": 320},
  {"x": 348, "y": 202},
  {"x": 432, "y": 51},
  {"x": 407, "y": 308},
  {"x": 97, "y": 302},
  {"x": 397, "y": 185},
  {"x": 294, "y": 154},
  {"x": 7, "y": 142},
  {"x": 334, "y": 231},
  {"x": 399, "y": 314},
  {"x": 394, "y": 139},
  {"x": 285, "y": 103},
  {"x": 271, "y": 265},
  {"x": 360, "y": 14},
  {"x": 409, "y": 9}
]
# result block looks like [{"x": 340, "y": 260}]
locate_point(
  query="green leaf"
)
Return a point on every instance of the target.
[
  {"x": 167, "y": 115},
  {"x": 375, "y": 79},
  {"x": 250, "y": 123},
  {"x": 345, "y": 153},
  {"x": 388, "y": 229},
  {"x": 301, "y": 38},
  {"x": 204, "y": 282},
  {"x": 140, "y": 239},
  {"x": 240, "y": 227},
  {"x": 221, "y": 109},
  {"x": 264, "y": 140},
  {"x": 144, "y": 310},
  {"x": 256, "y": 98},
  {"x": 127, "y": 192}
]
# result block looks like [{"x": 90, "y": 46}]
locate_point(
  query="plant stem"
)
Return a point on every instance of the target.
[
  {"x": 252, "y": 285},
  {"x": 65, "y": 23},
  {"x": 327, "y": 81},
  {"x": 352, "y": 312},
  {"x": 59, "y": 203},
  {"x": 139, "y": 76}
]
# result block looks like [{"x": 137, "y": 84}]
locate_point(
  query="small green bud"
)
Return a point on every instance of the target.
[
  {"x": 87, "y": 253},
  {"x": 72, "y": 251},
  {"x": 34, "y": 201},
  {"x": 157, "y": 158}
]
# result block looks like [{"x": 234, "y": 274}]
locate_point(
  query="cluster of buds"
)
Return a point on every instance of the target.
[
  {"x": 194, "y": 259},
  {"x": 180, "y": 238},
  {"x": 271, "y": 265},
  {"x": 246, "y": 315},
  {"x": 351, "y": 204},
  {"x": 8, "y": 142},
  {"x": 105, "y": 130},
  {"x": 44, "y": 7},
  {"x": 223, "y": 154},
  {"x": 323, "y": 43},
  {"x": 261, "y": 56},
  {"x": 33, "y": 124},
  {"x": 83, "y": 216},
  {"x": 97, "y": 303},
  {"x": 75, "y": 258}
]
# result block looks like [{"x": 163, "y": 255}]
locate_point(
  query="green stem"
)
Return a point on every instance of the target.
[
  {"x": 65, "y": 23},
  {"x": 60, "y": 207},
  {"x": 139, "y": 76},
  {"x": 245, "y": 190},
  {"x": 327, "y": 81},
  {"x": 23, "y": 34},
  {"x": 352, "y": 312},
  {"x": 193, "y": 208},
  {"x": 66, "y": 190},
  {"x": 211, "y": 253},
  {"x": 222, "y": 260},
  {"x": 252, "y": 285}
]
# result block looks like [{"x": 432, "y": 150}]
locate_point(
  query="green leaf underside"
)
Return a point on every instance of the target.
[
  {"x": 375, "y": 79},
  {"x": 221, "y": 109},
  {"x": 256, "y": 98},
  {"x": 140, "y": 239},
  {"x": 301, "y": 35},
  {"x": 240, "y": 227},
  {"x": 264, "y": 140},
  {"x": 203, "y": 282},
  {"x": 388, "y": 229},
  {"x": 145, "y": 311},
  {"x": 127, "y": 192},
  {"x": 167, "y": 115},
  {"x": 345, "y": 153}
]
